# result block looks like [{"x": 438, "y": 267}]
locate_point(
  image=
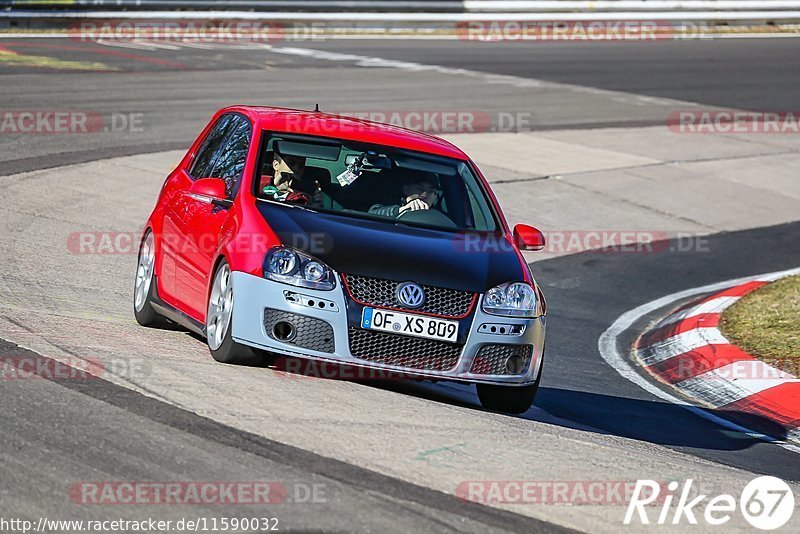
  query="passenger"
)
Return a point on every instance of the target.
[{"x": 288, "y": 184}]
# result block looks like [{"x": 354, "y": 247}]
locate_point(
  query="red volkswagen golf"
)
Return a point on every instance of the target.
[{"x": 329, "y": 238}]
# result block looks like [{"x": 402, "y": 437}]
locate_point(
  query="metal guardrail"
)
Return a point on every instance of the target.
[
  {"x": 389, "y": 12},
  {"x": 509, "y": 6}
]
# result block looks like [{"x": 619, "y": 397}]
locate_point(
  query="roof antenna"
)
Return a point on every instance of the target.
[{"x": 316, "y": 108}]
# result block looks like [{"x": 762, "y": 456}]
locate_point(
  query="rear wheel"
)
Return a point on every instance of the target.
[
  {"x": 144, "y": 287},
  {"x": 218, "y": 322},
  {"x": 509, "y": 399}
]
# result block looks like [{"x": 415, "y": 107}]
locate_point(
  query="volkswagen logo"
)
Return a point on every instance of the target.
[{"x": 410, "y": 295}]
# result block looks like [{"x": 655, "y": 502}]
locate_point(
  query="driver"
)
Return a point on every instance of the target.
[
  {"x": 419, "y": 193},
  {"x": 288, "y": 184}
]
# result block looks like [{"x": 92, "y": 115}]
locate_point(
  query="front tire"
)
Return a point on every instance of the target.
[
  {"x": 218, "y": 322},
  {"x": 509, "y": 399}
]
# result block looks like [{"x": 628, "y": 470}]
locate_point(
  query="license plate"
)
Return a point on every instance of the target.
[{"x": 409, "y": 324}]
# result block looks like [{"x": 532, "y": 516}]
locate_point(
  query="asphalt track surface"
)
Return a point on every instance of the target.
[{"x": 55, "y": 433}]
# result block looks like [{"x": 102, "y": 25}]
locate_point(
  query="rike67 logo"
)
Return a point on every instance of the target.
[{"x": 766, "y": 503}]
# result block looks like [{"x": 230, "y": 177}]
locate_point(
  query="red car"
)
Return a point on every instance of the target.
[{"x": 309, "y": 235}]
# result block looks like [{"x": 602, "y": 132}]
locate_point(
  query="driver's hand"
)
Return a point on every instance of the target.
[{"x": 414, "y": 205}]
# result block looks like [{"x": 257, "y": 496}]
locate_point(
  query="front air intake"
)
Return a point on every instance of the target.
[
  {"x": 502, "y": 359},
  {"x": 299, "y": 330}
]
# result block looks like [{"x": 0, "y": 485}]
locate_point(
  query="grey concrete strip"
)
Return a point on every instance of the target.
[{"x": 541, "y": 156}]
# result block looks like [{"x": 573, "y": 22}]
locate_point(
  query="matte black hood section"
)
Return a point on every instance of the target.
[{"x": 396, "y": 252}]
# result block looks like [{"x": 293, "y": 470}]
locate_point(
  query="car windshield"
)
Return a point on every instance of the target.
[{"x": 363, "y": 180}]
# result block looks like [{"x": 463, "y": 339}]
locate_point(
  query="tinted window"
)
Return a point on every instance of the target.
[
  {"x": 204, "y": 160},
  {"x": 229, "y": 165}
]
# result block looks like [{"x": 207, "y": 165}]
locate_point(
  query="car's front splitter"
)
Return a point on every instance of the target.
[{"x": 321, "y": 332}]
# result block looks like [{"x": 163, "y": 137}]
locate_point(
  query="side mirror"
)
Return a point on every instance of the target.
[
  {"x": 528, "y": 238},
  {"x": 210, "y": 191}
]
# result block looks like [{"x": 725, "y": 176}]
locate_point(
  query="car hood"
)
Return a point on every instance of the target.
[{"x": 399, "y": 252}]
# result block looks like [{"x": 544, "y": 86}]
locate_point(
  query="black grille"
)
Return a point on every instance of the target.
[
  {"x": 310, "y": 333},
  {"x": 404, "y": 351},
  {"x": 380, "y": 292},
  {"x": 492, "y": 359}
]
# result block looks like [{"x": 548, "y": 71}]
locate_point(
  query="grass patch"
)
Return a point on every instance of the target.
[{"x": 766, "y": 323}]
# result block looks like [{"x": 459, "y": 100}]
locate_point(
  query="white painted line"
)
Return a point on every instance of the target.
[
  {"x": 126, "y": 44},
  {"x": 680, "y": 344},
  {"x": 157, "y": 44},
  {"x": 775, "y": 35},
  {"x": 201, "y": 45},
  {"x": 607, "y": 345},
  {"x": 499, "y": 79}
]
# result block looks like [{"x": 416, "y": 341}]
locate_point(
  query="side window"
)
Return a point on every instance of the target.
[
  {"x": 477, "y": 214},
  {"x": 204, "y": 160},
  {"x": 229, "y": 165},
  {"x": 478, "y": 202}
]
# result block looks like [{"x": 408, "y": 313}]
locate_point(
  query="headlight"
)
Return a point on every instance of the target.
[
  {"x": 281, "y": 261},
  {"x": 515, "y": 299},
  {"x": 298, "y": 269}
]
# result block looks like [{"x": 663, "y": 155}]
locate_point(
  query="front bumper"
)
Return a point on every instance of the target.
[{"x": 254, "y": 296}]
